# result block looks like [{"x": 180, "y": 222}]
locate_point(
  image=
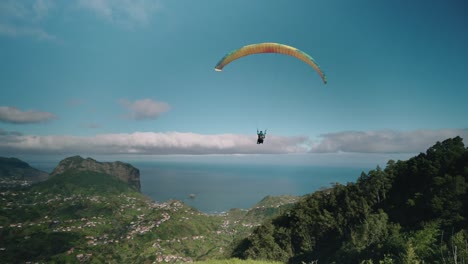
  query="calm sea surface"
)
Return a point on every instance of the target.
[{"x": 220, "y": 187}]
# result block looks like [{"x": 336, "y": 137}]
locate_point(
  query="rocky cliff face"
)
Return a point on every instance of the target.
[{"x": 123, "y": 171}]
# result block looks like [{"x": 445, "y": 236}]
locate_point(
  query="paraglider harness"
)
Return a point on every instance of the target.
[{"x": 261, "y": 137}]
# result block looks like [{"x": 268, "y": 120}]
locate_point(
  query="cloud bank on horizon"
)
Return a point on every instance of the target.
[
  {"x": 384, "y": 141},
  {"x": 151, "y": 143},
  {"x": 148, "y": 143}
]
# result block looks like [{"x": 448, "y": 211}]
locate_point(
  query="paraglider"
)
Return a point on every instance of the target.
[
  {"x": 261, "y": 136},
  {"x": 269, "y": 48}
]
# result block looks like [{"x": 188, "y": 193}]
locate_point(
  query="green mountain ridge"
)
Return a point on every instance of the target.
[
  {"x": 122, "y": 171},
  {"x": 14, "y": 172}
]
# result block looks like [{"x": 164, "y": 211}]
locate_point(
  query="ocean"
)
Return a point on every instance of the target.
[{"x": 220, "y": 187}]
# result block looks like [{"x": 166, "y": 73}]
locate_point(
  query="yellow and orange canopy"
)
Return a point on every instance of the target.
[{"x": 269, "y": 48}]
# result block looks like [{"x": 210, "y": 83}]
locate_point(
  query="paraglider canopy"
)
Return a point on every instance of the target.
[{"x": 269, "y": 48}]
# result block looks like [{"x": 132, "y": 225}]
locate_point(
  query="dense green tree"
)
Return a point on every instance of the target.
[
  {"x": 424, "y": 242},
  {"x": 265, "y": 246},
  {"x": 455, "y": 250}
]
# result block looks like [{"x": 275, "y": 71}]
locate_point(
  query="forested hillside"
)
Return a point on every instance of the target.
[{"x": 412, "y": 211}]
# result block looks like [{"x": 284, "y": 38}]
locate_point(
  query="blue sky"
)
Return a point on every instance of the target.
[{"x": 137, "y": 77}]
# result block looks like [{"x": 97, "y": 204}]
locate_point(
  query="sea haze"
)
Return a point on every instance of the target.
[{"x": 217, "y": 188}]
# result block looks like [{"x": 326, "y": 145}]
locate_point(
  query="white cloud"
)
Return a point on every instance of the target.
[
  {"x": 100, "y": 7},
  {"x": 125, "y": 12},
  {"x": 26, "y": 18},
  {"x": 92, "y": 125},
  {"x": 74, "y": 102},
  {"x": 20, "y": 31},
  {"x": 144, "y": 109},
  {"x": 18, "y": 19},
  {"x": 42, "y": 7},
  {"x": 384, "y": 141},
  {"x": 11, "y": 9},
  {"x": 14, "y": 115},
  {"x": 149, "y": 143}
]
